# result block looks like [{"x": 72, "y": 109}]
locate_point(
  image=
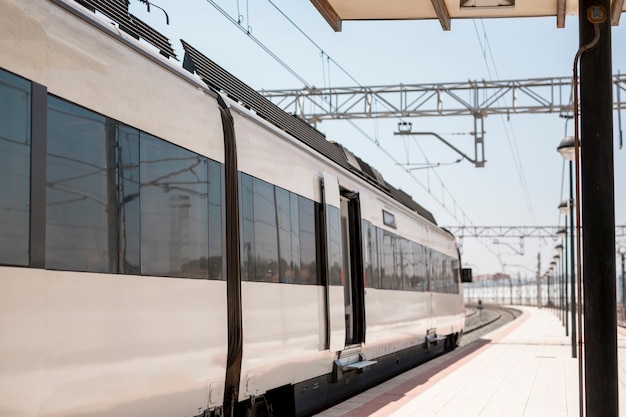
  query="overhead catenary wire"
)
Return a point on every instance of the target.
[
  {"x": 441, "y": 201},
  {"x": 508, "y": 129},
  {"x": 259, "y": 43}
]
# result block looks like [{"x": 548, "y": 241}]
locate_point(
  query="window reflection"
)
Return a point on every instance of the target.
[
  {"x": 333, "y": 226},
  {"x": 278, "y": 234},
  {"x": 15, "y": 98},
  {"x": 308, "y": 265},
  {"x": 129, "y": 209},
  {"x": 248, "y": 267},
  {"x": 174, "y": 210},
  {"x": 80, "y": 231},
  {"x": 285, "y": 249},
  {"x": 215, "y": 221},
  {"x": 265, "y": 233}
]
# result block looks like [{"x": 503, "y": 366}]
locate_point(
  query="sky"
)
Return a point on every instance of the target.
[{"x": 523, "y": 180}]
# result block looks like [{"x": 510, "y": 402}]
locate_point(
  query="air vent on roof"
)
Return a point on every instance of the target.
[
  {"x": 352, "y": 159},
  {"x": 117, "y": 10},
  {"x": 218, "y": 79},
  {"x": 221, "y": 80},
  {"x": 379, "y": 178}
]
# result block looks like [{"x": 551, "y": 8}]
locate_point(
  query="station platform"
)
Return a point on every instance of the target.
[{"x": 524, "y": 369}]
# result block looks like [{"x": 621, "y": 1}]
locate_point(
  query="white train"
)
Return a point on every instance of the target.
[{"x": 172, "y": 244}]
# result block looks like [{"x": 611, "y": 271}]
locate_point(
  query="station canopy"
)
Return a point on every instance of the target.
[{"x": 336, "y": 11}]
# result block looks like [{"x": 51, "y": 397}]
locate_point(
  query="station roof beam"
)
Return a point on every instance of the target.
[{"x": 337, "y": 11}]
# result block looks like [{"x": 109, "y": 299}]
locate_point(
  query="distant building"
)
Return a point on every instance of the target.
[{"x": 492, "y": 277}]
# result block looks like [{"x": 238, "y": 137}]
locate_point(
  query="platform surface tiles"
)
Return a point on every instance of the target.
[{"x": 524, "y": 369}]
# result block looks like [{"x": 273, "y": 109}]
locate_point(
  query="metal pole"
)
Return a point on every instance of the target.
[
  {"x": 623, "y": 289},
  {"x": 538, "y": 277},
  {"x": 572, "y": 261},
  {"x": 549, "y": 300},
  {"x": 564, "y": 258},
  {"x": 598, "y": 212}
]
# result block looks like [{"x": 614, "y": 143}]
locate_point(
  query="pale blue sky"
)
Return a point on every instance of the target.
[{"x": 413, "y": 52}]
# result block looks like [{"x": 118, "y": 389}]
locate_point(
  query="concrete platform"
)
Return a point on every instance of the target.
[{"x": 524, "y": 369}]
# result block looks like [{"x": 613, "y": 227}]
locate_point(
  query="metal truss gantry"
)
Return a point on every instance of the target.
[
  {"x": 514, "y": 231},
  {"x": 472, "y": 98}
]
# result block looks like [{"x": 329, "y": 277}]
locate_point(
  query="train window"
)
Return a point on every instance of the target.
[
  {"x": 374, "y": 241},
  {"x": 283, "y": 215},
  {"x": 265, "y": 232},
  {"x": 333, "y": 232},
  {"x": 15, "y": 121},
  {"x": 398, "y": 281},
  {"x": 306, "y": 219},
  {"x": 174, "y": 210},
  {"x": 388, "y": 262},
  {"x": 129, "y": 221},
  {"x": 295, "y": 236},
  {"x": 407, "y": 264},
  {"x": 248, "y": 267},
  {"x": 389, "y": 219},
  {"x": 418, "y": 280},
  {"x": 368, "y": 254},
  {"x": 456, "y": 275},
  {"x": 80, "y": 203},
  {"x": 215, "y": 221}
]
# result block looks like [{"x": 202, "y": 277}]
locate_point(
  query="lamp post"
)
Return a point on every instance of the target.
[
  {"x": 548, "y": 275},
  {"x": 564, "y": 301},
  {"x": 559, "y": 286},
  {"x": 622, "y": 252},
  {"x": 566, "y": 149},
  {"x": 561, "y": 248}
]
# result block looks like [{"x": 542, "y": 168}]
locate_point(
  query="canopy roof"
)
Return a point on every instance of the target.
[{"x": 336, "y": 11}]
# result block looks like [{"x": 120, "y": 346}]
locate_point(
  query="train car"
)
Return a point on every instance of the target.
[{"x": 173, "y": 244}]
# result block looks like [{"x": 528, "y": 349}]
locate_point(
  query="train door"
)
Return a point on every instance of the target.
[
  {"x": 330, "y": 220},
  {"x": 352, "y": 263}
]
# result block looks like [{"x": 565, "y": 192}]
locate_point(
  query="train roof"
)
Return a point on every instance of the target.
[{"x": 222, "y": 81}]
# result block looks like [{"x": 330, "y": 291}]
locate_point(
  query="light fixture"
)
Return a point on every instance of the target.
[
  {"x": 566, "y": 148},
  {"x": 559, "y": 249},
  {"x": 561, "y": 233},
  {"x": 405, "y": 127},
  {"x": 487, "y": 3},
  {"x": 564, "y": 207}
]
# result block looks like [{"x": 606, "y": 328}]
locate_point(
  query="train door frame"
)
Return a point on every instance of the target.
[
  {"x": 334, "y": 292},
  {"x": 352, "y": 257}
]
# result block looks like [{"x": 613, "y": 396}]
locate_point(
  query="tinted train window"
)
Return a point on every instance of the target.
[
  {"x": 455, "y": 275},
  {"x": 295, "y": 236},
  {"x": 276, "y": 222},
  {"x": 333, "y": 232},
  {"x": 306, "y": 220},
  {"x": 285, "y": 250},
  {"x": 265, "y": 232},
  {"x": 419, "y": 280},
  {"x": 436, "y": 278},
  {"x": 370, "y": 255},
  {"x": 248, "y": 264},
  {"x": 15, "y": 120},
  {"x": 129, "y": 220},
  {"x": 80, "y": 203},
  {"x": 215, "y": 221},
  {"x": 389, "y": 262},
  {"x": 174, "y": 210},
  {"x": 407, "y": 264}
]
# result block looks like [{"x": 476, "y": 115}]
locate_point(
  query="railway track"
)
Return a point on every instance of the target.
[{"x": 480, "y": 321}]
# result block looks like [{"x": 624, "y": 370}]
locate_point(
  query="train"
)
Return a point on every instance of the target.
[{"x": 174, "y": 244}]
